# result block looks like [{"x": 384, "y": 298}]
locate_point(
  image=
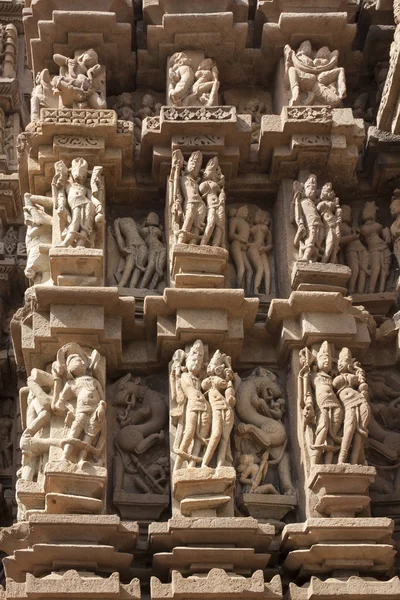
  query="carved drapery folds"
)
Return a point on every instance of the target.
[
  {"x": 202, "y": 417},
  {"x": 335, "y": 406},
  {"x": 317, "y": 216},
  {"x": 63, "y": 412},
  {"x": 196, "y": 221},
  {"x": 66, "y": 225}
]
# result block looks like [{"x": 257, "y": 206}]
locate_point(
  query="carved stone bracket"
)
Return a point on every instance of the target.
[
  {"x": 177, "y": 320},
  {"x": 310, "y": 317},
  {"x": 214, "y": 130},
  {"x": 329, "y": 139},
  {"x": 108, "y": 32},
  {"x": 93, "y": 316},
  {"x": 95, "y": 135}
]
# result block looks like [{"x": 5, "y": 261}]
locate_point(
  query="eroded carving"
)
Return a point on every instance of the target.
[
  {"x": 189, "y": 88},
  {"x": 313, "y": 76},
  {"x": 142, "y": 250},
  {"x": 141, "y": 456},
  {"x": 262, "y": 457},
  {"x": 250, "y": 244}
]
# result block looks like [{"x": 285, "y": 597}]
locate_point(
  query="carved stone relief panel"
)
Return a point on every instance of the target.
[
  {"x": 192, "y": 80},
  {"x": 202, "y": 401},
  {"x": 135, "y": 107},
  {"x": 138, "y": 448},
  {"x": 67, "y": 226},
  {"x": 335, "y": 414},
  {"x": 366, "y": 246},
  {"x": 249, "y": 239},
  {"x": 195, "y": 212},
  {"x": 264, "y": 483},
  {"x": 137, "y": 255},
  {"x": 309, "y": 76},
  {"x": 64, "y": 438},
  {"x": 81, "y": 83}
]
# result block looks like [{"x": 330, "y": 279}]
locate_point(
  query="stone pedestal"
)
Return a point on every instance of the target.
[
  {"x": 198, "y": 266},
  {"x": 342, "y": 490}
]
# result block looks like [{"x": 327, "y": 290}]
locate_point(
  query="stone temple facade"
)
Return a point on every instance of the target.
[{"x": 199, "y": 299}]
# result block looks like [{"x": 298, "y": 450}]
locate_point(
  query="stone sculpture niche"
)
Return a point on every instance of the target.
[
  {"x": 384, "y": 431},
  {"x": 366, "y": 249},
  {"x": 196, "y": 221},
  {"x": 316, "y": 215},
  {"x": 81, "y": 83},
  {"x": 66, "y": 226},
  {"x": 139, "y": 418},
  {"x": 265, "y": 488},
  {"x": 335, "y": 412},
  {"x": 64, "y": 435},
  {"x": 250, "y": 248},
  {"x": 192, "y": 80},
  {"x": 202, "y": 401},
  {"x": 311, "y": 77},
  {"x": 137, "y": 255}
]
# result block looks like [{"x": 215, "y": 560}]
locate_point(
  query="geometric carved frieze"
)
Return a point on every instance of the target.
[
  {"x": 50, "y": 31},
  {"x": 216, "y": 584},
  {"x": 317, "y": 137},
  {"x": 63, "y": 134},
  {"x": 215, "y": 130}
]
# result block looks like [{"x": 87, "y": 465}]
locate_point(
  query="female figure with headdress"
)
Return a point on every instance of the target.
[
  {"x": 212, "y": 191},
  {"x": 197, "y": 417},
  {"x": 218, "y": 385},
  {"x": 329, "y": 408},
  {"x": 331, "y": 214},
  {"x": 377, "y": 239},
  {"x": 352, "y": 389}
]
